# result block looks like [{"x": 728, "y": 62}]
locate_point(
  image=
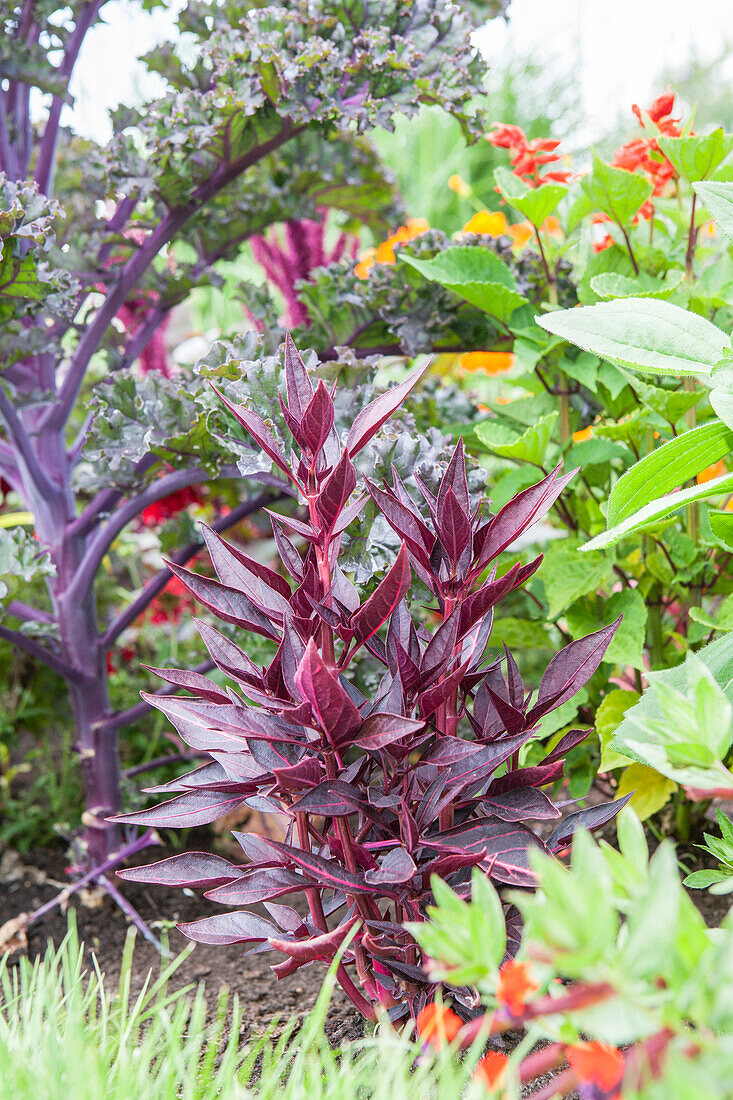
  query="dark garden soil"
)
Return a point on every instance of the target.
[{"x": 27, "y": 882}]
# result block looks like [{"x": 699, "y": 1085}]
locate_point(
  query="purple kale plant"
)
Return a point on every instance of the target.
[{"x": 422, "y": 778}]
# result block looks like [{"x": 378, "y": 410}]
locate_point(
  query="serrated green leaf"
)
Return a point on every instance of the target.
[
  {"x": 615, "y": 192},
  {"x": 649, "y": 335},
  {"x": 530, "y": 446},
  {"x": 608, "y": 718},
  {"x": 476, "y": 274},
  {"x": 648, "y": 789},
  {"x": 568, "y": 575},
  {"x": 717, "y": 198},
  {"x": 696, "y": 156},
  {"x": 535, "y": 203}
]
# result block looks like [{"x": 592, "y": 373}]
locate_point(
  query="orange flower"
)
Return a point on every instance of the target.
[
  {"x": 515, "y": 986},
  {"x": 491, "y": 1069},
  {"x": 488, "y": 223},
  {"x": 459, "y": 185},
  {"x": 711, "y": 472},
  {"x": 551, "y": 226},
  {"x": 597, "y": 1064},
  {"x": 488, "y": 362},
  {"x": 520, "y": 233},
  {"x": 384, "y": 252},
  {"x": 437, "y": 1025},
  {"x": 584, "y": 433}
]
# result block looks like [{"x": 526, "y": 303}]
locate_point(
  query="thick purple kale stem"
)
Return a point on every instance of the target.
[
  {"x": 129, "y": 275},
  {"x": 114, "y": 722},
  {"x": 145, "y": 841},
  {"x": 41, "y": 653},
  {"x": 130, "y": 911},
  {"x": 162, "y": 761},
  {"x": 155, "y": 586}
]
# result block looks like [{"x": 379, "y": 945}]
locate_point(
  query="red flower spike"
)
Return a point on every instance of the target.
[
  {"x": 437, "y": 1024},
  {"x": 599, "y": 1064},
  {"x": 515, "y": 986}
]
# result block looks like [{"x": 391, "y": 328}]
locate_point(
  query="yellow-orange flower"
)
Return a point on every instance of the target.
[
  {"x": 711, "y": 472},
  {"x": 584, "y": 433},
  {"x": 597, "y": 1064},
  {"x": 384, "y": 252},
  {"x": 489, "y": 362},
  {"x": 551, "y": 226},
  {"x": 459, "y": 185},
  {"x": 520, "y": 233},
  {"x": 515, "y": 986},
  {"x": 437, "y": 1024},
  {"x": 491, "y": 1069},
  {"x": 490, "y": 223}
]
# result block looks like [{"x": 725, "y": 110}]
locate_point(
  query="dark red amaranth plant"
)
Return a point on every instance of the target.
[
  {"x": 424, "y": 777},
  {"x": 302, "y": 248}
]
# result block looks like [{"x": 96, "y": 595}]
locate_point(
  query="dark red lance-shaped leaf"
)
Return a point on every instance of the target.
[
  {"x": 475, "y": 606},
  {"x": 370, "y": 420},
  {"x": 191, "y": 681},
  {"x": 454, "y": 527},
  {"x": 185, "y": 811},
  {"x": 193, "y": 869},
  {"x": 228, "y": 656},
  {"x": 508, "y": 847},
  {"x": 521, "y": 804},
  {"x": 257, "y": 885},
  {"x": 326, "y": 872},
  {"x": 570, "y": 669},
  {"x": 256, "y": 427},
  {"x": 592, "y": 818},
  {"x": 298, "y": 385},
  {"x": 318, "y": 419},
  {"x": 227, "y": 603},
  {"x": 383, "y": 600},
  {"x": 333, "y": 709},
  {"x": 335, "y": 493},
  {"x": 397, "y": 866},
  {"x": 316, "y": 947},
  {"x": 455, "y": 480},
  {"x": 406, "y": 521},
  {"x": 382, "y": 729},
  {"x": 223, "y": 928},
  {"x": 263, "y": 585},
  {"x": 516, "y": 517}
]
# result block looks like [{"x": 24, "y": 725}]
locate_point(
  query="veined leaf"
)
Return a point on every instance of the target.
[
  {"x": 717, "y": 198},
  {"x": 535, "y": 203},
  {"x": 697, "y": 156},
  {"x": 652, "y": 336},
  {"x": 530, "y": 446},
  {"x": 476, "y": 274},
  {"x": 615, "y": 192},
  {"x": 667, "y": 467}
]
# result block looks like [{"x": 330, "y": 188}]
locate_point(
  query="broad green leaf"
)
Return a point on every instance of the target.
[
  {"x": 652, "y": 336},
  {"x": 627, "y": 644},
  {"x": 657, "y": 510},
  {"x": 608, "y": 718},
  {"x": 717, "y": 198},
  {"x": 476, "y": 274},
  {"x": 568, "y": 575},
  {"x": 535, "y": 203},
  {"x": 670, "y": 404},
  {"x": 700, "y": 880},
  {"x": 615, "y": 192},
  {"x": 696, "y": 157},
  {"x": 722, "y": 402},
  {"x": 650, "y": 790},
  {"x": 611, "y": 284},
  {"x": 723, "y": 620},
  {"x": 668, "y": 466},
  {"x": 520, "y": 634},
  {"x": 721, "y": 523},
  {"x": 530, "y": 446}
]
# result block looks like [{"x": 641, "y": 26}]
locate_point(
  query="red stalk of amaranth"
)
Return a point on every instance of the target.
[{"x": 381, "y": 792}]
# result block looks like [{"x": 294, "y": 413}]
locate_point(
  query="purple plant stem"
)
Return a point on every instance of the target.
[
  {"x": 130, "y": 274},
  {"x": 162, "y": 761},
  {"x": 126, "y": 717},
  {"x": 27, "y": 613},
  {"x": 130, "y": 912},
  {"x": 155, "y": 586},
  {"x": 145, "y": 841},
  {"x": 41, "y": 653}
]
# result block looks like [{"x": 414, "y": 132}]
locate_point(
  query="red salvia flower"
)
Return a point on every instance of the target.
[
  {"x": 437, "y": 1024},
  {"x": 491, "y": 1069},
  {"x": 515, "y": 986},
  {"x": 599, "y": 1064},
  {"x": 161, "y": 510},
  {"x": 528, "y": 156}
]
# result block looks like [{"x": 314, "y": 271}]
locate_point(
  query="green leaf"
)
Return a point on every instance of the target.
[
  {"x": 700, "y": 880},
  {"x": 721, "y": 523},
  {"x": 657, "y": 510},
  {"x": 22, "y": 559},
  {"x": 519, "y": 634},
  {"x": 627, "y": 644},
  {"x": 652, "y": 336},
  {"x": 717, "y": 198},
  {"x": 568, "y": 575},
  {"x": 696, "y": 156},
  {"x": 722, "y": 402},
  {"x": 535, "y": 203},
  {"x": 723, "y": 621},
  {"x": 667, "y": 467},
  {"x": 611, "y": 284},
  {"x": 615, "y": 192},
  {"x": 608, "y": 718},
  {"x": 650, "y": 790},
  {"x": 530, "y": 446},
  {"x": 476, "y": 274}
]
